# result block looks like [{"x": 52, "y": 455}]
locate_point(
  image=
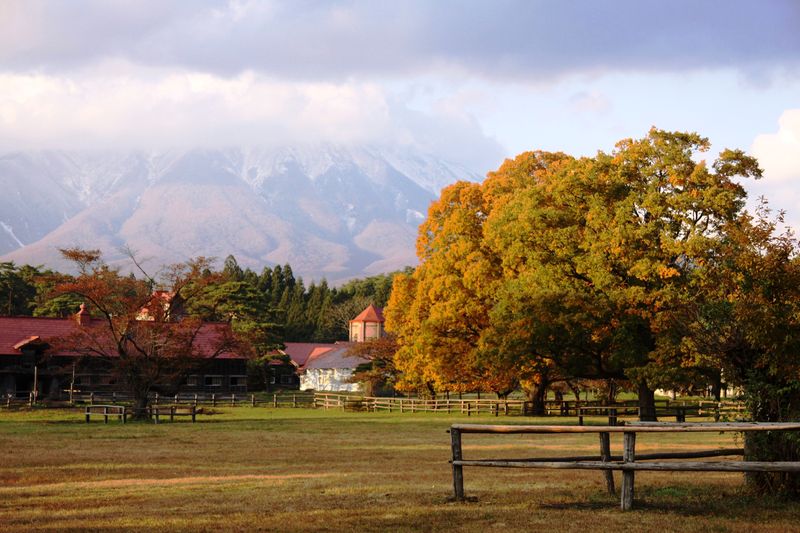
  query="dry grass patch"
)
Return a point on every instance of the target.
[{"x": 304, "y": 470}]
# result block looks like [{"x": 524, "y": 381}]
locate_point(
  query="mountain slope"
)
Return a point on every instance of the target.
[{"x": 329, "y": 211}]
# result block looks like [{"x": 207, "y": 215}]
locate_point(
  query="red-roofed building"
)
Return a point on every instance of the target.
[
  {"x": 25, "y": 343},
  {"x": 367, "y": 325},
  {"x": 327, "y": 366}
]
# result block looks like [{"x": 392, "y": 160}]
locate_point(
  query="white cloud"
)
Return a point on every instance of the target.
[
  {"x": 123, "y": 106},
  {"x": 779, "y": 155}
]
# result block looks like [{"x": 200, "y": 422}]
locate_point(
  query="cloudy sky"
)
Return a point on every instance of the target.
[{"x": 472, "y": 81}]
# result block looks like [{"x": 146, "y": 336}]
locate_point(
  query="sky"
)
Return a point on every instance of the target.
[{"x": 470, "y": 81}]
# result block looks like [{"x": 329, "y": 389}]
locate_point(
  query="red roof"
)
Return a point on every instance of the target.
[
  {"x": 370, "y": 314},
  {"x": 333, "y": 356},
  {"x": 16, "y": 332},
  {"x": 301, "y": 351}
]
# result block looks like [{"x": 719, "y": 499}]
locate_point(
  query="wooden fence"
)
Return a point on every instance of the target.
[
  {"x": 298, "y": 399},
  {"x": 462, "y": 406},
  {"x": 628, "y": 463},
  {"x": 580, "y": 410}
]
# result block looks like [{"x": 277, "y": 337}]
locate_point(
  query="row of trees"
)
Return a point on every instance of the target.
[
  {"x": 638, "y": 265},
  {"x": 275, "y": 300}
]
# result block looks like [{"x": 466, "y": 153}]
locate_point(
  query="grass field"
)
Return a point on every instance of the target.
[{"x": 311, "y": 470}]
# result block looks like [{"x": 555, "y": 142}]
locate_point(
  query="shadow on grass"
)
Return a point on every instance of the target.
[{"x": 687, "y": 501}]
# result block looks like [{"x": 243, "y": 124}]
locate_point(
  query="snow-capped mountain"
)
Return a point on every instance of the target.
[{"x": 329, "y": 211}]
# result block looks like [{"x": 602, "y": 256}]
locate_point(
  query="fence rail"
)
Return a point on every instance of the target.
[
  {"x": 507, "y": 407},
  {"x": 354, "y": 402},
  {"x": 628, "y": 463}
]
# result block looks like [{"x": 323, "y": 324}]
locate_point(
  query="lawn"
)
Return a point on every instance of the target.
[{"x": 312, "y": 470}]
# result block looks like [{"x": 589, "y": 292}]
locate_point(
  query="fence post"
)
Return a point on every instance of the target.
[
  {"x": 195, "y": 399},
  {"x": 605, "y": 456},
  {"x": 275, "y": 400},
  {"x": 213, "y": 399},
  {"x": 458, "y": 470},
  {"x": 88, "y": 414},
  {"x": 105, "y": 415},
  {"x": 113, "y": 397},
  {"x": 176, "y": 398},
  {"x": 124, "y": 415},
  {"x": 469, "y": 408},
  {"x": 30, "y": 399},
  {"x": 155, "y": 402},
  {"x": 233, "y": 399},
  {"x": 294, "y": 400},
  {"x": 91, "y": 398},
  {"x": 628, "y": 456},
  {"x": 172, "y": 413},
  {"x": 253, "y": 400},
  {"x": 612, "y": 417},
  {"x": 194, "y": 414}
]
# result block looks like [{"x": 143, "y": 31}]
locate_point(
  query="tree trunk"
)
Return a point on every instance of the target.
[
  {"x": 537, "y": 396},
  {"x": 647, "y": 403},
  {"x": 716, "y": 386},
  {"x": 576, "y": 391},
  {"x": 612, "y": 392},
  {"x": 140, "y": 402}
]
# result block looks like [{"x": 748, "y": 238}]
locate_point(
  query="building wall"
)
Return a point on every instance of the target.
[
  {"x": 363, "y": 331},
  {"x": 328, "y": 379}
]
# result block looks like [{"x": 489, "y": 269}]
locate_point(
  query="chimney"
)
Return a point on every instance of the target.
[{"x": 83, "y": 316}]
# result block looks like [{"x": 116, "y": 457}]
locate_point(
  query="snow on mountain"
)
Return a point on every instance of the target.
[{"x": 328, "y": 210}]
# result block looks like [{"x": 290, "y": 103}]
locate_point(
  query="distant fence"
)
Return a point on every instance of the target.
[
  {"x": 353, "y": 402},
  {"x": 282, "y": 399},
  {"x": 512, "y": 407}
]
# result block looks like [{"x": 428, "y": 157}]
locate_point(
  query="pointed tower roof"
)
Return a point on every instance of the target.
[{"x": 370, "y": 314}]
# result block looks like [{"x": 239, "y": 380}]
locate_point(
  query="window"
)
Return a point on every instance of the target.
[
  {"x": 213, "y": 381},
  {"x": 286, "y": 379},
  {"x": 192, "y": 381}
]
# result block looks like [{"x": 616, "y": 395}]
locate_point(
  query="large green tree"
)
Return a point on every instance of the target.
[{"x": 561, "y": 268}]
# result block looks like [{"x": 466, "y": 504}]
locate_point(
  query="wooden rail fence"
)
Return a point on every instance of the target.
[
  {"x": 627, "y": 462},
  {"x": 119, "y": 411}
]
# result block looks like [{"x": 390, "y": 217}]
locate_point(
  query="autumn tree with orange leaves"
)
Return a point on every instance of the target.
[
  {"x": 560, "y": 268},
  {"x": 139, "y": 333}
]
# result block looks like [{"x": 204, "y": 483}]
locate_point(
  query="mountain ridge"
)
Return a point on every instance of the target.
[{"x": 330, "y": 211}]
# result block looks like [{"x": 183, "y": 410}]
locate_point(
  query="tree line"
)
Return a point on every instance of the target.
[{"x": 274, "y": 301}]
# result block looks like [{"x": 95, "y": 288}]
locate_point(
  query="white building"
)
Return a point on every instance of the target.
[{"x": 327, "y": 367}]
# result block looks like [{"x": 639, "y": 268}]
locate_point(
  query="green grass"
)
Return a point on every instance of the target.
[{"x": 313, "y": 470}]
